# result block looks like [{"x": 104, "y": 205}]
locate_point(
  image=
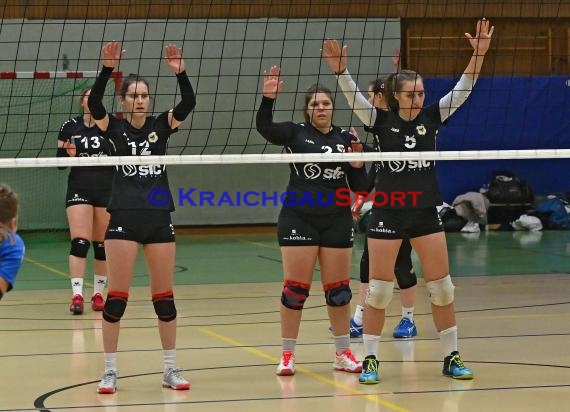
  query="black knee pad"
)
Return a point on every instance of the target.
[
  {"x": 99, "y": 250},
  {"x": 404, "y": 269},
  {"x": 338, "y": 294},
  {"x": 164, "y": 306},
  {"x": 406, "y": 277},
  {"x": 79, "y": 247},
  {"x": 115, "y": 306},
  {"x": 294, "y": 294}
]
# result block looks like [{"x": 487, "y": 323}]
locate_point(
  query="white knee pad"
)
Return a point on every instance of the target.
[
  {"x": 441, "y": 291},
  {"x": 379, "y": 293}
]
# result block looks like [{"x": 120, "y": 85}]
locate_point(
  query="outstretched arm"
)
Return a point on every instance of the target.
[
  {"x": 457, "y": 96},
  {"x": 177, "y": 64},
  {"x": 337, "y": 60},
  {"x": 276, "y": 133},
  {"x": 111, "y": 54}
]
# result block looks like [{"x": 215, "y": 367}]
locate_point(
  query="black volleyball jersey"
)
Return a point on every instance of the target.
[
  {"x": 394, "y": 134},
  {"x": 313, "y": 187},
  {"x": 88, "y": 143},
  {"x": 140, "y": 186}
]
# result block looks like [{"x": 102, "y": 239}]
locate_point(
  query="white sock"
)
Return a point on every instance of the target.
[
  {"x": 371, "y": 345},
  {"x": 408, "y": 313},
  {"x": 448, "y": 339},
  {"x": 110, "y": 362},
  {"x": 358, "y": 313},
  {"x": 99, "y": 283},
  {"x": 289, "y": 344},
  {"x": 342, "y": 343},
  {"x": 169, "y": 356},
  {"x": 77, "y": 286}
]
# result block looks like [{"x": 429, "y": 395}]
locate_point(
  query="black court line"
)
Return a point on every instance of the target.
[
  {"x": 39, "y": 402},
  {"x": 82, "y": 318},
  {"x": 274, "y": 345}
]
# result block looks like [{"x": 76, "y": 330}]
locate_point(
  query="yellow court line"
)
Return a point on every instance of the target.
[
  {"x": 53, "y": 270},
  {"x": 303, "y": 370}
]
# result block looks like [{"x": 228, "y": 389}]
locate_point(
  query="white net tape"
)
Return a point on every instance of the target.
[{"x": 285, "y": 158}]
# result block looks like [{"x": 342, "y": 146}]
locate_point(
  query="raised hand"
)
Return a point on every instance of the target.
[
  {"x": 334, "y": 55},
  {"x": 174, "y": 59},
  {"x": 112, "y": 53},
  {"x": 272, "y": 86},
  {"x": 482, "y": 39}
]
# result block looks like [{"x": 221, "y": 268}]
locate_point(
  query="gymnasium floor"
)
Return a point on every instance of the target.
[{"x": 512, "y": 299}]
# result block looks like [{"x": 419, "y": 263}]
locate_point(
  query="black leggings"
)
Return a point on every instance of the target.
[{"x": 404, "y": 269}]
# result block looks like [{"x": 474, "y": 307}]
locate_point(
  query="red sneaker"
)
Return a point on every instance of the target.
[
  {"x": 76, "y": 306},
  {"x": 97, "y": 302}
]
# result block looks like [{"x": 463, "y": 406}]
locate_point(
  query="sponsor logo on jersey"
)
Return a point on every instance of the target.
[
  {"x": 397, "y": 166},
  {"x": 314, "y": 171},
  {"x": 99, "y": 154},
  {"x": 395, "y": 130},
  {"x": 421, "y": 129},
  {"x": 141, "y": 170},
  {"x": 340, "y": 148},
  {"x": 309, "y": 141}
]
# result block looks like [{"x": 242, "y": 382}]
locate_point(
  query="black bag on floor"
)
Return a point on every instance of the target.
[
  {"x": 505, "y": 187},
  {"x": 452, "y": 222}
]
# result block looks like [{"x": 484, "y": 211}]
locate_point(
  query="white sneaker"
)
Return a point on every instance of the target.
[
  {"x": 172, "y": 379},
  {"x": 471, "y": 227},
  {"x": 108, "y": 383},
  {"x": 347, "y": 362},
  {"x": 286, "y": 365}
]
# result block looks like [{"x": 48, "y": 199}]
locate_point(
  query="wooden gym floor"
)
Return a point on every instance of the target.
[{"x": 512, "y": 300}]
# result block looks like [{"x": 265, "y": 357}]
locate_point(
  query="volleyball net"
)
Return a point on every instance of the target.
[{"x": 518, "y": 109}]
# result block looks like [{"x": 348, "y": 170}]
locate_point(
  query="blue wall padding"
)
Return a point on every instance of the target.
[{"x": 505, "y": 113}]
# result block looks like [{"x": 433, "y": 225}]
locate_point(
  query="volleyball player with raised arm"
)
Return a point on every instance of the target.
[
  {"x": 134, "y": 219},
  {"x": 311, "y": 224},
  {"x": 88, "y": 191},
  {"x": 12, "y": 247},
  {"x": 404, "y": 270},
  {"x": 409, "y": 127}
]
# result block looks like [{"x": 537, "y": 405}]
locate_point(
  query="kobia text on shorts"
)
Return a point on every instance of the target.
[{"x": 338, "y": 197}]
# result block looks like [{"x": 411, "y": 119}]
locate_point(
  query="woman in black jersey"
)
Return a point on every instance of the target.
[
  {"x": 404, "y": 270},
  {"x": 411, "y": 196},
  {"x": 135, "y": 215},
  {"x": 312, "y": 225},
  {"x": 88, "y": 191}
]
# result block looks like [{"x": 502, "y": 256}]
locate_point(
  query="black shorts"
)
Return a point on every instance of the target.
[
  {"x": 87, "y": 196},
  {"x": 403, "y": 223},
  {"x": 141, "y": 225},
  {"x": 301, "y": 229}
]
